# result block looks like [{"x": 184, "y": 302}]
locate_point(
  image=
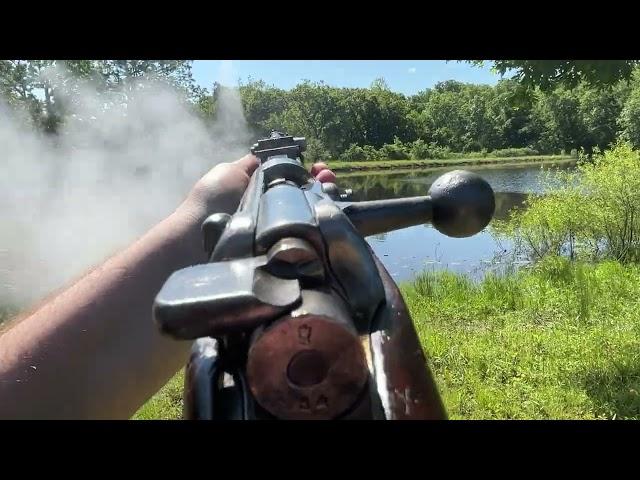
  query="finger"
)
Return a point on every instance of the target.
[
  {"x": 316, "y": 168},
  {"x": 326, "y": 176},
  {"x": 248, "y": 163}
]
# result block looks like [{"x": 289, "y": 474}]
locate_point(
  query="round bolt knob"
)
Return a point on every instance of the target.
[{"x": 463, "y": 203}]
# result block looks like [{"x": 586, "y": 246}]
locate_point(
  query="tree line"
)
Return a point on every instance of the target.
[{"x": 544, "y": 108}]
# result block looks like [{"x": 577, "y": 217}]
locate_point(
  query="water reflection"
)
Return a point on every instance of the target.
[{"x": 407, "y": 252}]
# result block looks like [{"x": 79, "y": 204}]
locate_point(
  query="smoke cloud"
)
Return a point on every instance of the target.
[{"x": 123, "y": 161}]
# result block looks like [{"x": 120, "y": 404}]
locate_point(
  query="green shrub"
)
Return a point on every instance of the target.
[
  {"x": 395, "y": 151},
  {"x": 421, "y": 150},
  {"x": 356, "y": 153},
  {"x": 371, "y": 153},
  {"x": 438, "y": 153},
  {"x": 593, "y": 213}
]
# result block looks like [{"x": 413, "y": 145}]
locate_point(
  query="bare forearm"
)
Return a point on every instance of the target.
[{"x": 93, "y": 351}]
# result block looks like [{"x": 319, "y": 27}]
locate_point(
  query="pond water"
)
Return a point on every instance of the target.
[{"x": 409, "y": 251}]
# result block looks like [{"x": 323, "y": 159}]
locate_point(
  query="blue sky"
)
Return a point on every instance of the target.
[{"x": 404, "y": 76}]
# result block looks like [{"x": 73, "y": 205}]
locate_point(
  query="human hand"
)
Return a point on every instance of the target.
[{"x": 221, "y": 189}]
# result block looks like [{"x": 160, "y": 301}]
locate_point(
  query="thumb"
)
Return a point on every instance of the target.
[{"x": 248, "y": 164}]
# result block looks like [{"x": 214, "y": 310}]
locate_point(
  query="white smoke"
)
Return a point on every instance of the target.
[
  {"x": 123, "y": 161},
  {"x": 230, "y": 125}
]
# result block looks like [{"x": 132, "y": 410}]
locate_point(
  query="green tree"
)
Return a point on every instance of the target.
[
  {"x": 557, "y": 122},
  {"x": 312, "y": 110},
  {"x": 125, "y": 75},
  {"x": 548, "y": 74},
  {"x": 458, "y": 115},
  {"x": 263, "y": 104},
  {"x": 599, "y": 111},
  {"x": 48, "y": 88},
  {"x": 512, "y": 113},
  {"x": 629, "y": 119}
]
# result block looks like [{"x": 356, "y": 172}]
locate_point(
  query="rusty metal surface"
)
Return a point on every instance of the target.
[
  {"x": 309, "y": 364},
  {"x": 307, "y": 368}
]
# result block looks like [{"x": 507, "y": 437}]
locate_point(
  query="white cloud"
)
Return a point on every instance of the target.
[{"x": 412, "y": 70}]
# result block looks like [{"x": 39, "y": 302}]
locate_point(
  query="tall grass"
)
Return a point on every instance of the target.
[
  {"x": 166, "y": 404},
  {"x": 560, "y": 340}
]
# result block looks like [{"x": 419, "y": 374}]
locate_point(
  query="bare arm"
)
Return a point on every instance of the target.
[{"x": 93, "y": 351}]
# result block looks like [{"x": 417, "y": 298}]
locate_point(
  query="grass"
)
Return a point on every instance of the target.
[
  {"x": 340, "y": 166},
  {"x": 166, "y": 404},
  {"x": 558, "y": 341}
]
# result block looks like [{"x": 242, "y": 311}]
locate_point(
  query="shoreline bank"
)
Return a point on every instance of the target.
[{"x": 403, "y": 165}]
